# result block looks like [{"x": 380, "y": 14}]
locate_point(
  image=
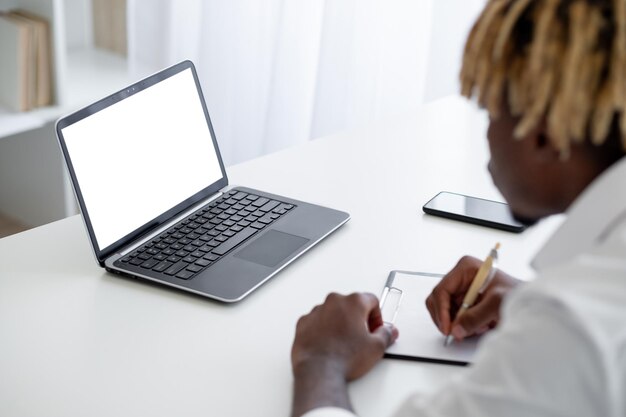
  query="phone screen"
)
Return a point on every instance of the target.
[{"x": 473, "y": 210}]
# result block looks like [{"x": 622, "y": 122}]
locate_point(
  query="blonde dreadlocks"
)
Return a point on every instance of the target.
[{"x": 558, "y": 61}]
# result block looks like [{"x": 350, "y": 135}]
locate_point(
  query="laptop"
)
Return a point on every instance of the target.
[{"x": 155, "y": 199}]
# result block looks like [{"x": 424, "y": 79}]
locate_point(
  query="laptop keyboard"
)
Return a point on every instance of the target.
[{"x": 195, "y": 243}]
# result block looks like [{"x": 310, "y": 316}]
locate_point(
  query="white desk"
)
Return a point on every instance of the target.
[{"x": 77, "y": 341}]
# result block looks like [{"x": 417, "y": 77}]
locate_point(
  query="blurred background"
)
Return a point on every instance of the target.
[{"x": 275, "y": 73}]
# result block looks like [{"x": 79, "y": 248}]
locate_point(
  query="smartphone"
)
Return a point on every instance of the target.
[{"x": 473, "y": 210}]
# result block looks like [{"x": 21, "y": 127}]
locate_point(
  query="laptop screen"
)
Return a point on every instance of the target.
[{"x": 141, "y": 156}]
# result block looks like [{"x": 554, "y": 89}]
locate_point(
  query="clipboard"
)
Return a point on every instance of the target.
[{"x": 403, "y": 304}]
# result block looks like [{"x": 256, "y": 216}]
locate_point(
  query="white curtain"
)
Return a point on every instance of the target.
[{"x": 276, "y": 73}]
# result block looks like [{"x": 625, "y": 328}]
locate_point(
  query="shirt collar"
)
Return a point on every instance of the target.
[{"x": 589, "y": 220}]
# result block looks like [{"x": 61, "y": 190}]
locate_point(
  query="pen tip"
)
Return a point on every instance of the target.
[
  {"x": 448, "y": 340},
  {"x": 498, "y": 246}
]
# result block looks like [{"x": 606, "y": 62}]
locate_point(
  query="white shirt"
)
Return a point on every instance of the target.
[{"x": 560, "y": 349}]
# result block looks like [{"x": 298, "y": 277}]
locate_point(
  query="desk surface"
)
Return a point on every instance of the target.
[{"x": 78, "y": 341}]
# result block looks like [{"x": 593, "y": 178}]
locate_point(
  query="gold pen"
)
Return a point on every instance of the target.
[{"x": 481, "y": 280}]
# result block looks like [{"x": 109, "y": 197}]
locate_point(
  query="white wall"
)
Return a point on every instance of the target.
[{"x": 280, "y": 72}]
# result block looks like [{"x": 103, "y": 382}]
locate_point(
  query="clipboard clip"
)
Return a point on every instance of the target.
[{"x": 390, "y": 304}]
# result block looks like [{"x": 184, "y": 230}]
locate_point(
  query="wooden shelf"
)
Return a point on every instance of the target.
[{"x": 90, "y": 74}]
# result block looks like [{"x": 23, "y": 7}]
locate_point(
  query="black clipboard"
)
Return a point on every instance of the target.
[{"x": 403, "y": 303}]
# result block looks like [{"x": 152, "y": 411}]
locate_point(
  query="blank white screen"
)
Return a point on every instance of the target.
[{"x": 142, "y": 156}]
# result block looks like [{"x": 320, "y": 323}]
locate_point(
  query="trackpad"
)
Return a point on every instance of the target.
[{"x": 271, "y": 248}]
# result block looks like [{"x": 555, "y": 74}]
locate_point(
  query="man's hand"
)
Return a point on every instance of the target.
[
  {"x": 447, "y": 297},
  {"x": 335, "y": 343}
]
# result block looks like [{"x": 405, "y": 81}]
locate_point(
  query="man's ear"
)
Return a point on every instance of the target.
[{"x": 542, "y": 145}]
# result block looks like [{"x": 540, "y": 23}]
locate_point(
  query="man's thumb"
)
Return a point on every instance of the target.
[{"x": 387, "y": 333}]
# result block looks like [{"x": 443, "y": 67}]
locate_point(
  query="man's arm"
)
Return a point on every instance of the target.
[{"x": 337, "y": 342}]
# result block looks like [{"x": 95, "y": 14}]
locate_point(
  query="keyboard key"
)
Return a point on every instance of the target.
[
  {"x": 160, "y": 257},
  {"x": 223, "y": 206},
  {"x": 236, "y": 228},
  {"x": 194, "y": 268},
  {"x": 145, "y": 256},
  {"x": 237, "y": 207},
  {"x": 236, "y": 218},
  {"x": 185, "y": 230},
  {"x": 244, "y": 223},
  {"x": 223, "y": 216},
  {"x": 258, "y": 213},
  {"x": 185, "y": 274},
  {"x": 127, "y": 259},
  {"x": 160, "y": 246},
  {"x": 174, "y": 269},
  {"x": 269, "y": 206},
  {"x": 234, "y": 241},
  {"x": 193, "y": 235},
  {"x": 229, "y": 233},
  {"x": 228, "y": 223},
  {"x": 258, "y": 225},
  {"x": 274, "y": 216},
  {"x": 239, "y": 196},
  {"x": 252, "y": 197},
  {"x": 162, "y": 266},
  {"x": 221, "y": 228},
  {"x": 184, "y": 241},
  {"x": 197, "y": 243},
  {"x": 211, "y": 257},
  {"x": 266, "y": 220},
  {"x": 215, "y": 221},
  {"x": 203, "y": 262},
  {"x": 260, "y": 202},
  {"x": 149, "y": 264},
  {"x": 197, "y": 254},
  {"x": 182, "y": 253},
  {"x": 221, "y": 238},
  {"x": 136, "y": 261},
  {"x": 206, "y": 248},
  {"x": 173, "y": 258},
  {"x": 177, "y": 246},
  {"x": 189, "y": 259}
]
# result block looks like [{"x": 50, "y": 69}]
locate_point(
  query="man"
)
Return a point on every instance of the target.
[{"x": 552, "y": 74}]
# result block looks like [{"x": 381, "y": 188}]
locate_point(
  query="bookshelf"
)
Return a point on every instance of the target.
[
  {"x": 81, "y": 72},
  {"x": 34, "y": 187}
]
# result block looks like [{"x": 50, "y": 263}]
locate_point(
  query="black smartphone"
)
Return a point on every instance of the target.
[{"x": 473, "y": 210}]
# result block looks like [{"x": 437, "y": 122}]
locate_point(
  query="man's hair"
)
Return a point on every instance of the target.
[{"x": 558, "y": 61}]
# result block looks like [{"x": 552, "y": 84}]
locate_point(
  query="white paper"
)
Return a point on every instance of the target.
[{"x": 419, "y": 337}]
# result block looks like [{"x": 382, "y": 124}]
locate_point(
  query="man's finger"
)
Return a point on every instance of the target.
[
  {"x": 386, "y": 335},
  {"x": 480, "y": 315}
]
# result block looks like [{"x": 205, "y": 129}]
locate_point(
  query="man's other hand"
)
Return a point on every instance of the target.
[{"x": 345, "y": 333}]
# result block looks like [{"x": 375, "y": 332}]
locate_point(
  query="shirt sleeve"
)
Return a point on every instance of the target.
[
  {"x": 329, "y": 412},
  {"x": 531, "y": 366}
]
